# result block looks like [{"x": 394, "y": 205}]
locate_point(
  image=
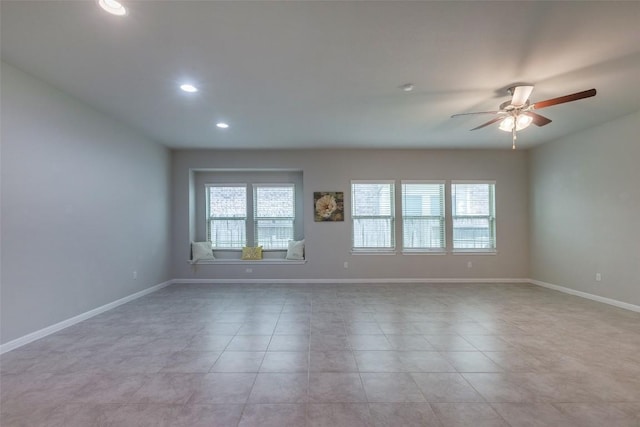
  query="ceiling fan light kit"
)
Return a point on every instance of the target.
[
  {"x": 517, "y": 114},
  {"x": 521, "y": 121}
]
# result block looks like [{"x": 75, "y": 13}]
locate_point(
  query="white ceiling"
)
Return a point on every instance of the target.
[{"x": 303, "y": 74}]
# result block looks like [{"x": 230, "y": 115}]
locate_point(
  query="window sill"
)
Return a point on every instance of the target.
[
  {"x": 422, "y": 252},
  {"x": 239, "y": 250},
  {"x": 474, "y": 252},
  {"x": 371, "y": 252},
  {"x": 247, "y": 261}
]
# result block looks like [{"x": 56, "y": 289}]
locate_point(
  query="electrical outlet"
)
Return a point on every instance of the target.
[
  {"x": 248, "y": 270},
  {"x": 598, "y": 277},
  {"x": 346, "y": 264},
  {"x": 135, "y": 275},
  {"x": 469, "y": 264}
]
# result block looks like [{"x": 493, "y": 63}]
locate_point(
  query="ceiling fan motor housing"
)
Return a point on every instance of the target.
[{"x": 508, "y": 106}]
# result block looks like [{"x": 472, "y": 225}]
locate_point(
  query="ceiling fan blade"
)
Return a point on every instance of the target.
[
  {"x": 538, "y": 120},
  {"x": 490, "y": 122},
  {"x": 477, "y": 112},
  {"x": 521, "y": 95},
  {"x": 567, "y": 98}
]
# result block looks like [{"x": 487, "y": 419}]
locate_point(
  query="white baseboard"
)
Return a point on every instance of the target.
[
  {"x": 586, "y": 295},
  {"x": 349, "y": 281},
  {"x": 26, "y": 339}
]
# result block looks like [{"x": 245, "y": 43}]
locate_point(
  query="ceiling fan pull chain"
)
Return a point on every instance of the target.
[{"x": 513, "y": 133}]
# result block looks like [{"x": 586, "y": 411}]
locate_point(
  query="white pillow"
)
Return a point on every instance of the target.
[
  {"x": 295, "y": 249},
  {"x": 201, "y": 251}
]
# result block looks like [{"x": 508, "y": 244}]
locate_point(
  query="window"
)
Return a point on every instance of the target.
[
  {"x": 231, "y": 224},
  {"x": 473, "y": 212},
  {"x": 227, "y": 215},
  {"x": 274, "y": 213},
  {"x": 423, "y": 215},
  {"x": 373, "y": 215}
]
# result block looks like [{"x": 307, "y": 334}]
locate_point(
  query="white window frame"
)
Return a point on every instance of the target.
[
  {"x": 255, "y": 217},
  {"x": 491, "y": 218},
  {"x": 441, "y": 217},
  {"x": 210, "y": 218},
  {"x": 392, "y": 238}
]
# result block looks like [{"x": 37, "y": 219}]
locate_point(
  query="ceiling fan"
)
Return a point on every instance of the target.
[{"x": 517, "y": 113}]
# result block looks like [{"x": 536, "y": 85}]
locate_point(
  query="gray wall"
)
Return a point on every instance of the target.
[
  {"x": 328, "y": 245},
  {"x": 85, "y": 202},
  {"x": 585, "y": 211}
]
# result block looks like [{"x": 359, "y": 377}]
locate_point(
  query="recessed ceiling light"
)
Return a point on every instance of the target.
[
  {"x": 222, "y": 125},
  {"x": 407, "y": 87},
  {"x": 188, "y": 88},
  {"x": 113, "y": 7}
]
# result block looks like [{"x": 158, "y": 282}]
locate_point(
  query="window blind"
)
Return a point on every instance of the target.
[
  {"x": 227, "y": 215},
  {"x": 423, "y": 226},
  {"x": 373, "y": 215},
  {"x": 473, "y": 212},
  {"x": 274, "y": 214}
]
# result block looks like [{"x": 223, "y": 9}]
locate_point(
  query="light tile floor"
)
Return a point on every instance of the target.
[{"x": 334, "y": 355}]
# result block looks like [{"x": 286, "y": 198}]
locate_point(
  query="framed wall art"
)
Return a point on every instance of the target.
[{"x": 328, "y": 206}]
